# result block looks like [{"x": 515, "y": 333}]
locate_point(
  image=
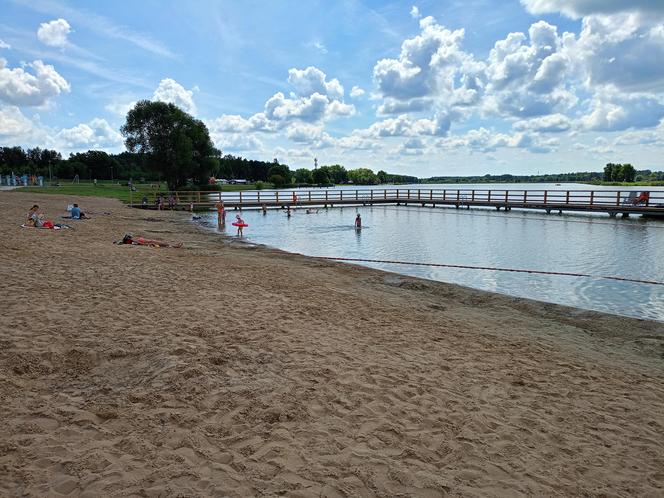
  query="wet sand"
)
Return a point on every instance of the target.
[{"x": 225, "y": 369}]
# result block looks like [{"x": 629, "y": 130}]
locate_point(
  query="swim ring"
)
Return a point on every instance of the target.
[{"x": 242, "y": 225}]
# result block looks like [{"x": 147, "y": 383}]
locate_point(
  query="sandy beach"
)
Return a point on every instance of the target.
[{"x": 226, "y": 369}]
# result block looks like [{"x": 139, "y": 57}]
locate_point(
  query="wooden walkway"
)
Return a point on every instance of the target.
[{"x": 613, "y": 202}]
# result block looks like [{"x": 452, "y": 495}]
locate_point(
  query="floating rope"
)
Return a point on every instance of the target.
[{"x": 514, "y": 270}]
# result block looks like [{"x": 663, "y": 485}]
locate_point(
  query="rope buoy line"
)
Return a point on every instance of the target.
[{"x": 514, "y": 270}]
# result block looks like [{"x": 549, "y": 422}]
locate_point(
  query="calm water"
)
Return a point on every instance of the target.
[{"x": 594, "y": 244}]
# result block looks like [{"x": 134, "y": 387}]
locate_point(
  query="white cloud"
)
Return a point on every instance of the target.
[
  {"x": 3, "y": 44},
  {"x": 304, "y": 133},
  {"x": 13, "y": 123},
  {"x": 431, "y": 73},
  {"x": 641, "y": 138},
  {"x": 313, "y": 108},
  {"x": 54, "y": 33},
  {"x": 312, "y": 80},
  {"x": 415, "y": 12},
  {"x": 621, "y": 112},
  {"x": 19, "y": 87},
  {"x": 301, "y": 114},
  {"x": 357, "y": 142},
  {"x": 483, "y": 140},
  {"x": 580, "y": 8},
  {"x": 622, "y": 50},
  {"x": 236, "y": 142},
  {"x": 553, "y": 123},
  {"x": 356, "y": 92},
  {"x": 99, "y": 24},
  {"x": 403, "y": 126},
  {"x": 120, "y": 109},
  {"x": 529, "y": 79},
  {"x": 172, "y": 92},
  {"x": 319, "y": 46},
  {"x": 237, "y": 124},
  {"x": 96, "y": 134}
]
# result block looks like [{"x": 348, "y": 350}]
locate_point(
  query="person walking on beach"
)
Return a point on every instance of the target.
[{"x": 358, "y": 221}]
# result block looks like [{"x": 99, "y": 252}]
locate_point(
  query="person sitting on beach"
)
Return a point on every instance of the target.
[
  {"x": 140, "y": 241},
  {"x": 76, "y": 213},
  {"x": 36, "y": 219},
  {"x": 33, "y": 216}
]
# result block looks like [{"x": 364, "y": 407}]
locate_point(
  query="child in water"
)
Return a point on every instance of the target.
[
  {"x": 358, "y": 221},
  {"x": 239, "y": 223}
]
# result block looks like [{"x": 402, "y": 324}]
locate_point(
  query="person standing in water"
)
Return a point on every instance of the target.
[
  {"x": 358, "y": 221},
  {"x": 240, "y": 224},
  {"x": 288, "y": 212},
  {"x": 264, "y": 208},
  {"x": 221, "y": 214}
]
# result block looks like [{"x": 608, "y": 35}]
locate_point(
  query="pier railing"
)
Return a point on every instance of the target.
[{"x": 590, "y": 200}]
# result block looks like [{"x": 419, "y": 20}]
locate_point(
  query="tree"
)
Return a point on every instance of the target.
[
  {"x": 176, "y": 144},
  {"x": 362, "y": 176},
  {"x": 619, "y": 173},
  {"x": 609, "y": 172},
  {"x": 303, "y": 175},
  {"x": 320, "y": 176},
  {"x": 99, "y": 164},
  {"x": 279, "y": 170},
  {"x": 628, "y": 173},
  {"x": 382, "y": 176},
  {"x": 337, "y": 173}
]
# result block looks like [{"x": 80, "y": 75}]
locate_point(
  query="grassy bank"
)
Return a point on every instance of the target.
[{"x": 113, "y": 190}]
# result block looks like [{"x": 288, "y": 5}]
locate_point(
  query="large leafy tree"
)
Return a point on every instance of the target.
[{"x": 176, "y": 144}]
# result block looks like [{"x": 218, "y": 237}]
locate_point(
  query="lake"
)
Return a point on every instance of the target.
[{"x": 575, "y": 243}]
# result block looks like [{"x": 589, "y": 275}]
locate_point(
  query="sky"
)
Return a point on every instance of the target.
[{"x": 463, "y": 87}]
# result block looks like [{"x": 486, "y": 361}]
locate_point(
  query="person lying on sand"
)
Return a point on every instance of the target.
[{"x": 140, "y": 241}]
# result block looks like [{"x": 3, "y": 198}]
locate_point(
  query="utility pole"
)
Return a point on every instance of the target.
[{"x": 315, "y": 163}]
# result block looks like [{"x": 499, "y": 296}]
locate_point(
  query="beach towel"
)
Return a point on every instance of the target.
[{"x": 58, "y": 226}]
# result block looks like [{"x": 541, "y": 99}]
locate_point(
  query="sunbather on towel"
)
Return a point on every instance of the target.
[{"x": 140, "y": 241}]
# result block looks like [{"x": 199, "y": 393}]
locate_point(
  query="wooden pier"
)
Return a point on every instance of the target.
[{"x": 613, "y": 202}]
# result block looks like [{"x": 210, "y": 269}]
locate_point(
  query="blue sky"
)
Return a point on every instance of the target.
[{"x": 423, "y": 88}]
